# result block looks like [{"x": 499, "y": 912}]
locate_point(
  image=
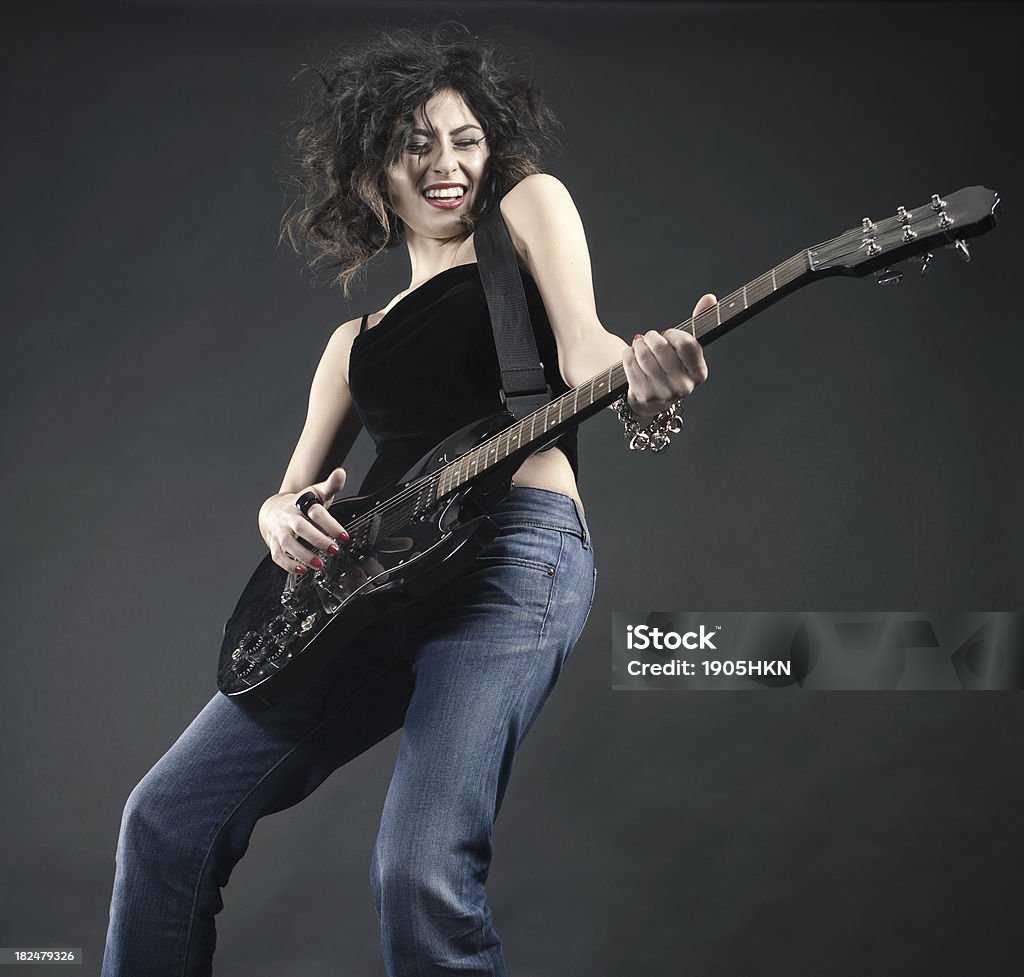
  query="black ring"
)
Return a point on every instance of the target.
[{"x": 305, "y": 501}]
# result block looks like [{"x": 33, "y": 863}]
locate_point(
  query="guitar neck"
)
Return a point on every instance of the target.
[
  {"x": 574, "y": 406},
  {"x": 752, "y": 298}
]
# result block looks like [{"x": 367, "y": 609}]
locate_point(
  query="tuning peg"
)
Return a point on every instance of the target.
[
  {"x": 938, "y": 203},
  {"x": 960, "y": 246},
  {"x": 889, "y": 276},
  {"x": 925, "y": 260}
]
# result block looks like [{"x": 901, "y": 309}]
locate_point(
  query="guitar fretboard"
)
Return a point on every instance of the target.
[{"x": 592, "y": 395}]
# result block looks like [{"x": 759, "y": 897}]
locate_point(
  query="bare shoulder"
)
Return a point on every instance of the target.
[
  {"x": 345, "y": 333},
  {"x": 544, "y": 224},
  {"x": 339, "y": 346},
  {"x": 540, "y": 215},
  {"x": 533, "y": 194}
]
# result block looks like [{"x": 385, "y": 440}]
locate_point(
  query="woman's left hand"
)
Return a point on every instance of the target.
[{"x": 662, "y": 367}]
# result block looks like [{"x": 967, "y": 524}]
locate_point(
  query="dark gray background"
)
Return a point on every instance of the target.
[{"x": 855, "y": 448}]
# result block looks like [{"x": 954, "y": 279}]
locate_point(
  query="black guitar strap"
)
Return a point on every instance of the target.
[{"x": 524, "y": 387}]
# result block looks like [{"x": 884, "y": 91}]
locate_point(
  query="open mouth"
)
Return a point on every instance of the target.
[{"x": 446, "y": 198}]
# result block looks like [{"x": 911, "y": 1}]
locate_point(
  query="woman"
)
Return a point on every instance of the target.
[{"x": 413, "y": 138}]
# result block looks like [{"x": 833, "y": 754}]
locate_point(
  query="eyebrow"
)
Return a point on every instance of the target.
[{"x": 454, "y": 132}]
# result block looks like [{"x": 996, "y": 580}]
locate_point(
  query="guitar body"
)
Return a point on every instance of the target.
[{"x": 286, "y": 627}]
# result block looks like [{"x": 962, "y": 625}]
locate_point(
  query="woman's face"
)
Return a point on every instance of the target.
[{"x": 441, "y": 172}]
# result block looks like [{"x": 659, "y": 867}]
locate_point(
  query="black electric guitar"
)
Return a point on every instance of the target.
[{"x": 410, "y": 538}]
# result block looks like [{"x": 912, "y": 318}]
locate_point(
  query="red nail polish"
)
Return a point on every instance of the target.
[
  {"x": 317, "y": 563},
  {"x": 344, "y": 537},
  {"x": 333, "y": 549},
  {"x": 300, "y": 569}
]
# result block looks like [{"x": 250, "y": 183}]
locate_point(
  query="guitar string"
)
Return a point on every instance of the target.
[
  {"x": 418, "y": 485},
  {"x": 802, "y": 257}
]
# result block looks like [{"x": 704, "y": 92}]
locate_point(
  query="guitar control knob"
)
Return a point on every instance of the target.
[
  {"x": 276, "y": 653},
  {"x": 250, "y": 642},
  {"x": 245, "y": 668},
  {"x": 280, "y": 630}
]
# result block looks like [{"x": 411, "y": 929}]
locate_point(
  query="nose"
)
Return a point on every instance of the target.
[{"x": 445, "y": 161}]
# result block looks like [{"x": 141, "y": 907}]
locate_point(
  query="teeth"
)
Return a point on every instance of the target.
[{"x": 449, "y": 192}]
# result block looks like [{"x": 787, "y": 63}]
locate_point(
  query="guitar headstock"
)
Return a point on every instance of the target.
[{"x": 908, "y": 233}]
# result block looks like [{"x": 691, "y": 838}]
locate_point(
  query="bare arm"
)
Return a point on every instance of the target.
[
  {"x": 328, "y": 434},
  {"x": 548, "y": 234},
  {"x": 331, "y": 423}
]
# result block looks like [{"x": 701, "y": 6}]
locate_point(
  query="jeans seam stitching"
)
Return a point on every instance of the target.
[
  {"x": 534, "y": 524},
  {"x": 517, "y": 561},
  {"x": 528, "y": 680}
]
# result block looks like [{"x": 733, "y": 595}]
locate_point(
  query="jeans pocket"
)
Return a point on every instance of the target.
[{"x": 524, "y": 546}]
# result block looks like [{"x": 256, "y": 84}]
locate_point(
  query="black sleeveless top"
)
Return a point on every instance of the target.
[{"x": 429, "y": 368}]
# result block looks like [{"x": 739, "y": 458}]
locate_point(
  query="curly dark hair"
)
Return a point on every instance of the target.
[{"x": 357, "y": 119}]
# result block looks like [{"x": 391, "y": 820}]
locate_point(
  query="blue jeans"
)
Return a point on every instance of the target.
[{"x": 463, "y": 672}]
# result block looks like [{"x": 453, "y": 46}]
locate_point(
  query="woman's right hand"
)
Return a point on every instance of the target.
[{"x": 281, "y": 524}]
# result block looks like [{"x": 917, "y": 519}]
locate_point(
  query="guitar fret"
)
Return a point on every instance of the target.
[{"x": 760, "y": 290}]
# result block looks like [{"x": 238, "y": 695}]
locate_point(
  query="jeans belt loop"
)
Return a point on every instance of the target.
[{"x": 585, "y": 537}]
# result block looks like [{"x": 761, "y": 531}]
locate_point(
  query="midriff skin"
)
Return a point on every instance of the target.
[{"x": 549, "y": 470}]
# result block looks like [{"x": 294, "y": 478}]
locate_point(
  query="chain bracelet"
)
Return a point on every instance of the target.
[{"x": 656, "y": 434}]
